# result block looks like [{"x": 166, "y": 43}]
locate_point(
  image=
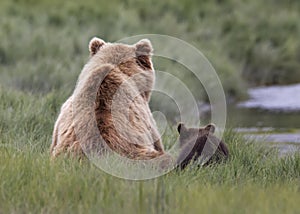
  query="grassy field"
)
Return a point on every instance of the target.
[
  {"x": 42, "y": 50},
  {"x": 254, "y": 180}
]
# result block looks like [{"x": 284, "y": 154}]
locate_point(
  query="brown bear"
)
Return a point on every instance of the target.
[
  {"x": 200, "y": 145},
  {"x": 110, "y": 102}
]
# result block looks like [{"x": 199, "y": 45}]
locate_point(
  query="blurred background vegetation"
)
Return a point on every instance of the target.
[{"x": 44, "y": 43}]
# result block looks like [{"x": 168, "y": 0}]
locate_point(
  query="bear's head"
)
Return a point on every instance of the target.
[
  {"x": 134, "y": 61},
  {"x": 200, "y": 145}
]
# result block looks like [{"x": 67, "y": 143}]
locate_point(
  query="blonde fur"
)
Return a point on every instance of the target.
[{"x": 110, "y": 102}]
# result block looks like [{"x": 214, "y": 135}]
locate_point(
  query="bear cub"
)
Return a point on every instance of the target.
[{"x": 200, "y": 145}]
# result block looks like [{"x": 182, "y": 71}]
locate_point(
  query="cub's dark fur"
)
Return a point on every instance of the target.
[{"x": 200, "y": 145}]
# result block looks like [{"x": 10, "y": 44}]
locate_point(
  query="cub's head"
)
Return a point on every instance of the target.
[
  {"x": 189, "y": 135},
  {"x": 132, "y": 60},
  {"x": 200, "y": 145}
]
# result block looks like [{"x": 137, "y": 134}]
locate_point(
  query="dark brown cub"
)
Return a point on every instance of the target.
[{"x": 200, "y": 145}]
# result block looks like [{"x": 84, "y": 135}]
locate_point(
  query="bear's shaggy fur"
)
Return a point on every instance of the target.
[
  {"x": 200, "y": 145},
  {"x": 111, "y": 99}
]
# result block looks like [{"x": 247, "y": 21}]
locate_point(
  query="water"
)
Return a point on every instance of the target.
[
  {"x": 278, "y": 98},
  {"x": 271, "y": 115}
]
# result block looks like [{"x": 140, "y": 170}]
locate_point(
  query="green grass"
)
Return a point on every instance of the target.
[
  {"x": 253, "y": 180},
  {"x": 30, "y": 183},
  {"x": 42, "y": 50}
]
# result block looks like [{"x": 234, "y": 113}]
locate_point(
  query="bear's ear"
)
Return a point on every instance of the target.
[
  {"x": 181, "y": 127},
  {"x": 94, "y": 45},
  {"x": 143, "y": 47},
  {"x": 211, "y": 128}
]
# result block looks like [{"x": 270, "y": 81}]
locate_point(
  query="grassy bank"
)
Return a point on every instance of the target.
[
  {"x": 29, "y": 183},
  {"x": 253, "y": 180}
]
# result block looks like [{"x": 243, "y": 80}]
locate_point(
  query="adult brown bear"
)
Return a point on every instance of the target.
[{"x": 114, "y": 90}]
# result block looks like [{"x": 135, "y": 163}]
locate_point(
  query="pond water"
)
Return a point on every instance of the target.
[{"x": 272, "y": 114}]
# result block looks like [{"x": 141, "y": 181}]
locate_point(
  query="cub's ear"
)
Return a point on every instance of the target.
[
  {"x": 143, "y": 47},
  {"x": 181, "y": 127},
  {"x": 211, "y": 128},
  {"x": 94, "y": 45}
]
